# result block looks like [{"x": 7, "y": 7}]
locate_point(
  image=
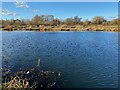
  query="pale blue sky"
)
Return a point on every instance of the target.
[{"x": 62, "y": 10}]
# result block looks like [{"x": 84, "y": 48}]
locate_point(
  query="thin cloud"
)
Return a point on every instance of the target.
[
  {"x": 17, "y": 17},
  {"x": 111, "y": 18},
  {"x": 35, "y": 10},
  {"x": 21, "y": 4},
  {"x": 8, "y": 13}
]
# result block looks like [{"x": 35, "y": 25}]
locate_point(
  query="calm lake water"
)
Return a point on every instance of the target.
[{"x": 85, "y": 59}]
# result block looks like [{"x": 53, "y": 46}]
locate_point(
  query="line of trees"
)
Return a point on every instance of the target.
[{"x": 39, "y": 20}]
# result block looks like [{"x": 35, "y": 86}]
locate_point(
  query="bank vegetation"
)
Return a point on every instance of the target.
[{"x": 40, "y": 23}]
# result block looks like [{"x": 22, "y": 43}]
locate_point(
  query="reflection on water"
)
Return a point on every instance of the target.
[{"x": 85, "y": 59}]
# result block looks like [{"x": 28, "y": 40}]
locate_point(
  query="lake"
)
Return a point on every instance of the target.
[{"x": 85, "y": 59}]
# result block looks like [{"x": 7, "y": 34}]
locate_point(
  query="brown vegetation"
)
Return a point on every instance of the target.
[
  {"x": 30, "y": 79},
  {"x": 48, "y": 23}
]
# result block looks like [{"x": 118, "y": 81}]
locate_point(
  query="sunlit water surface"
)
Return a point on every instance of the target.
[{"x": 85, "y": 59}]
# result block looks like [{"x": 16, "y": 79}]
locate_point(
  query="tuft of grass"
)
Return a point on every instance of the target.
[
  {"x": 15, "y": 83},
  {"x": 31, "y": 79}
]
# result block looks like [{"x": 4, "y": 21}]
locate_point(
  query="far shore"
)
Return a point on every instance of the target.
[
  {"x": 49, "y": 28},
  {"x": 56, "y": 31}
]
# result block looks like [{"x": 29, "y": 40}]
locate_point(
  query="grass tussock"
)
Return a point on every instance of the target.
[
  {"x": 16, "y": 83},
  {"x": 31, "y": 79}
]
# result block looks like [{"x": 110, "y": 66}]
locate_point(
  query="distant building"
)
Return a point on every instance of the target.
[
  {"x": 17, "y": 20},
  {"x": 48, "y": 17}
]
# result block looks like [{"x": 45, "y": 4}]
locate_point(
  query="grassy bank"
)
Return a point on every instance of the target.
[{"x": 42, "y": 28}]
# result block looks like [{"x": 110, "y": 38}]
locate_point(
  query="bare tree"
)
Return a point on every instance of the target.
[
  {"x": 55, "y": 22},
  {"x": 86, "y": 22},
  {"x": 76, "y": 20},
  {"x": 69, "y": 21},
  {"x": 98, "y": 20},
  {"x": 114, "y": 22}
]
